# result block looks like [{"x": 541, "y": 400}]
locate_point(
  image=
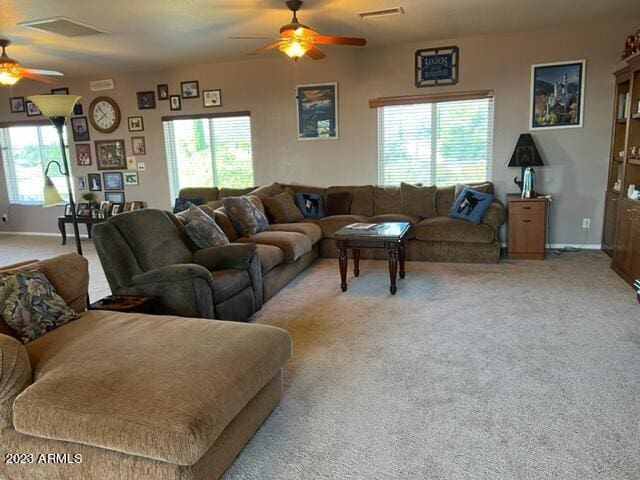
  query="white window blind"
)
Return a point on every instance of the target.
[
  {"x": 207, "y": 152},
  {"x": 439, "y": 143},
  {"x": 26, "y": 151}
]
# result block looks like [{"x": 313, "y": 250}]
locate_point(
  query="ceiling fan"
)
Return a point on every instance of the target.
[
  {"x": 297, "y": 39},
  {"x": 11, "y": 71}
]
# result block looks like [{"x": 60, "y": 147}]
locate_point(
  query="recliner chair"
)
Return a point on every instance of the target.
[{"x": 146, "y": 252}]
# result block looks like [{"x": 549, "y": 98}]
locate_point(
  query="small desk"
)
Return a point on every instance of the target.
[{"x": 88, "y": 221}]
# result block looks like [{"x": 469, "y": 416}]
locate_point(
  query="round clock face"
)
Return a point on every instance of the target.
[{"x": 105, "y": 114}]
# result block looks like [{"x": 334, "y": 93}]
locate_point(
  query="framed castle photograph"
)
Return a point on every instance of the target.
[
  {"x": 110, "y": 155},
  {"x": 557, "y": 95}
]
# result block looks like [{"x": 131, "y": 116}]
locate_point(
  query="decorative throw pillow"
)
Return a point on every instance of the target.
[
  {"x": 183, "y": 203},
  {"x": 471, "y": 205},
  {"x": 310, "y": 204},
  {"x": 418, "y": 201},
  {"x": 338, "y": 203},
  {"x": 203, "y": 230},
  {"x": 32, "y": 307},
  {"x": 245, "y": 216},
  {"x": 282, "y": 209},
  {"x": 484, "y": 187}
]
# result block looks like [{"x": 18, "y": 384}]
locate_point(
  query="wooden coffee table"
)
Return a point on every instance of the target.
[{"x": 388, "y": 235}]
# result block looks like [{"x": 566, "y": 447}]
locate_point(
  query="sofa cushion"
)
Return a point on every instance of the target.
[
  {"x": 206, "y": 194},
  {"x": 307, "y": 189},
  {"x": 234, "y": 192},
  {"x": 310, "y": 204},
  {"x": 267, "y": 191},
  {"x": 386, "y": 199},
  {"x": 245, "y": 216},
  {"x": 30, "y": 305},
  {"x": 331, "y": 224},
  {"x": 293, "y": 245},
  {"x": 418, "y": 201},
  {"x": 282, "y": 208},
  {"x": 471, "y": 205},
  {"x": 484, "y": 187},
  {"x": 311, "y": 230},
  {"x": 446, "y": 195},
  {"x": 270, "y": 257},
  {"x": 154, "y": 239},
  {"x": 182, "y": 204},
  {"x": 169, "y": 389},
  {"x": 201, "y": 228},
  {"x": 361, "y": 198},
  {"x": 338, "y": 203},
  {"x": 227, "y": 283},
  {"x": 394, "y": 217},
  {"x": 447, "y": 229}
]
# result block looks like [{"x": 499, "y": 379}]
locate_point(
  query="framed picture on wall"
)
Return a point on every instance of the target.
[
  {"x": 175, "y": 103},
  {"x": 136, "y": 124},
  {"x": 138, "y": 146},
  {"x": 557, "y": 95},
  {"x": 112, "y": 181},
  {"x": 114, "y": 197},
  {"x": 131, "y": 178},
  {"x": 32, "y": 109},
  {"x": 317, "y": 107},
  {"x": 16, "y": 104},
  {"x": 60, "y": 91},
  {"x": 163, "y": 92},
  {"x": 146, "y": 100},
  {"x": 83, "y": 154},
  {"x": 211, "y": 98},
  {"x": 190, "y": 89},
  {"x": 95, "y": 182},
  {"x": 81, "y": 181},
  {"x": 110, "y": 155},
  {"x": 80, "y": 129},
  {"x": 437, "y": 66}
]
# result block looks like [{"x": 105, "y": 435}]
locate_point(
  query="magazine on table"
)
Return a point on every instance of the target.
[{"x": 364, "y": 226}]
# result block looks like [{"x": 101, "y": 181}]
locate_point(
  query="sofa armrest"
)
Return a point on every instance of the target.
[
  {"x": 495, "y": 216},
  {"x": 15, "y": 376},
  {"x": 233, "y": 255},
  {"x": 185, "y": 290}
]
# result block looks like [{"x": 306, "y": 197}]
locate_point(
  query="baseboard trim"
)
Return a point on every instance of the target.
[
  {"x": 43, "y": 234},
  {"x": 557, "y": 246}
]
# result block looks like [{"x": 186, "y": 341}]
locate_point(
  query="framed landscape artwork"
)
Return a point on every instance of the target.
[
  {"x": 317, "y": 107},
  {"x": 110, "y": 155},
  {"x": 557, "y": 95}
]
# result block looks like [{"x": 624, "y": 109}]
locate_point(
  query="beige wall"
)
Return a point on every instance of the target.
[{"x": 576, "y": 158}]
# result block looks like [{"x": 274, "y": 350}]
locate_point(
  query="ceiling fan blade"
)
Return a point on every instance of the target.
[
  {"x": 240, "y": 37},
  {"x": 336, "y": 40},
  {"x": 38, "y": 77},
  {"x": 264, "y": 49},
  {"x": 51, "y": 73},
  {"x": 315, "y": 53}
]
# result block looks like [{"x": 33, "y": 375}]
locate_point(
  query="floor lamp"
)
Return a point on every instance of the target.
[{"x": 57, "y": 108}]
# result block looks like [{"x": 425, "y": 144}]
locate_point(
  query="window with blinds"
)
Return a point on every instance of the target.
[
  {"x": 26, "y": 151},
  {"x": 207, "y": 152},
  {"x": 438, "y": 143}
]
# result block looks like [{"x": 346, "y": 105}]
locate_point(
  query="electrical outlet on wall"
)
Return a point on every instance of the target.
[{"x": 586, "y": 223}]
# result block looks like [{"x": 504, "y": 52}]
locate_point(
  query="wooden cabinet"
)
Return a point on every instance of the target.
[
  {"x": 621, "y": 231},
  {"x": 610, "y": 221},
  {"x": 527, "y": 225},
  {"x": 626, "y": 256}
]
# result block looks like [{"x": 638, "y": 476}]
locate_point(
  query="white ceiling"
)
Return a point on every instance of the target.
[{"x": 154, "y": 34}]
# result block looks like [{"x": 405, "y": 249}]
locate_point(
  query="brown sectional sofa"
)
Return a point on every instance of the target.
[
  {"x": 177, "y": 399},
  {"x": 287, "y": 249}
]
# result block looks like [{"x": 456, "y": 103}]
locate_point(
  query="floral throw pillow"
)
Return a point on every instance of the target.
[
  {"x": 31, "y": 305},
  {"x": 201, "y": 228},
  {"x": 245, "y": 216}
]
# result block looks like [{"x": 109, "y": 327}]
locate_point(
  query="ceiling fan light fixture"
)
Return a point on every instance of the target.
[
  {"x": 10, "y": 73},
  {"x": 295, "y": 48}
]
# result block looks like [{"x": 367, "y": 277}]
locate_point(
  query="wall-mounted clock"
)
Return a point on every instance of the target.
[{"x": 104, "y": 114}]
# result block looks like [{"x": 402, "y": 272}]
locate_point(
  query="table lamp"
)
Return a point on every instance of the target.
[
  {"x": 525, "y": 154},
  {"x": 57, "y": 108}
]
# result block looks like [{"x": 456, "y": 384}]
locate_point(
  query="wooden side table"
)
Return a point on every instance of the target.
[
  {"x": 127, "y": 304},
  {"x": 527, "y": 226},
  {"x": 88, "y": 221}
]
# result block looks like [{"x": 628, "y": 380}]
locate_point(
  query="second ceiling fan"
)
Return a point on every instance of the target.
[{"x": 297, "y": 39}]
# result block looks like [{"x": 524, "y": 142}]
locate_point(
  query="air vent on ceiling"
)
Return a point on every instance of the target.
[
  {"x": 63, "y": 26},
  {"x": 386, "y": 12}
]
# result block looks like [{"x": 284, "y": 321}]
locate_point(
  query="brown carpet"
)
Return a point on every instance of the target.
[{"x": 521, "y": 370}]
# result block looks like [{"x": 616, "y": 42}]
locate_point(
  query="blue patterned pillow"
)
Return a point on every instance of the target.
[
  {"x": 32, "y": 307},
  {"x": 245, "y": 216},
  {"x": 310, "y": 204},
  {"x": 203, "y": 230},
  {"x": 471, "y": 205}
]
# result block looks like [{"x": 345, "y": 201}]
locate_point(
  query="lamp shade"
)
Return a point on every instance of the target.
[
  {"x": 525, "y": 154},
  {"x": 55, "y": 105},
  {"x": 51, "y": 195}
]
